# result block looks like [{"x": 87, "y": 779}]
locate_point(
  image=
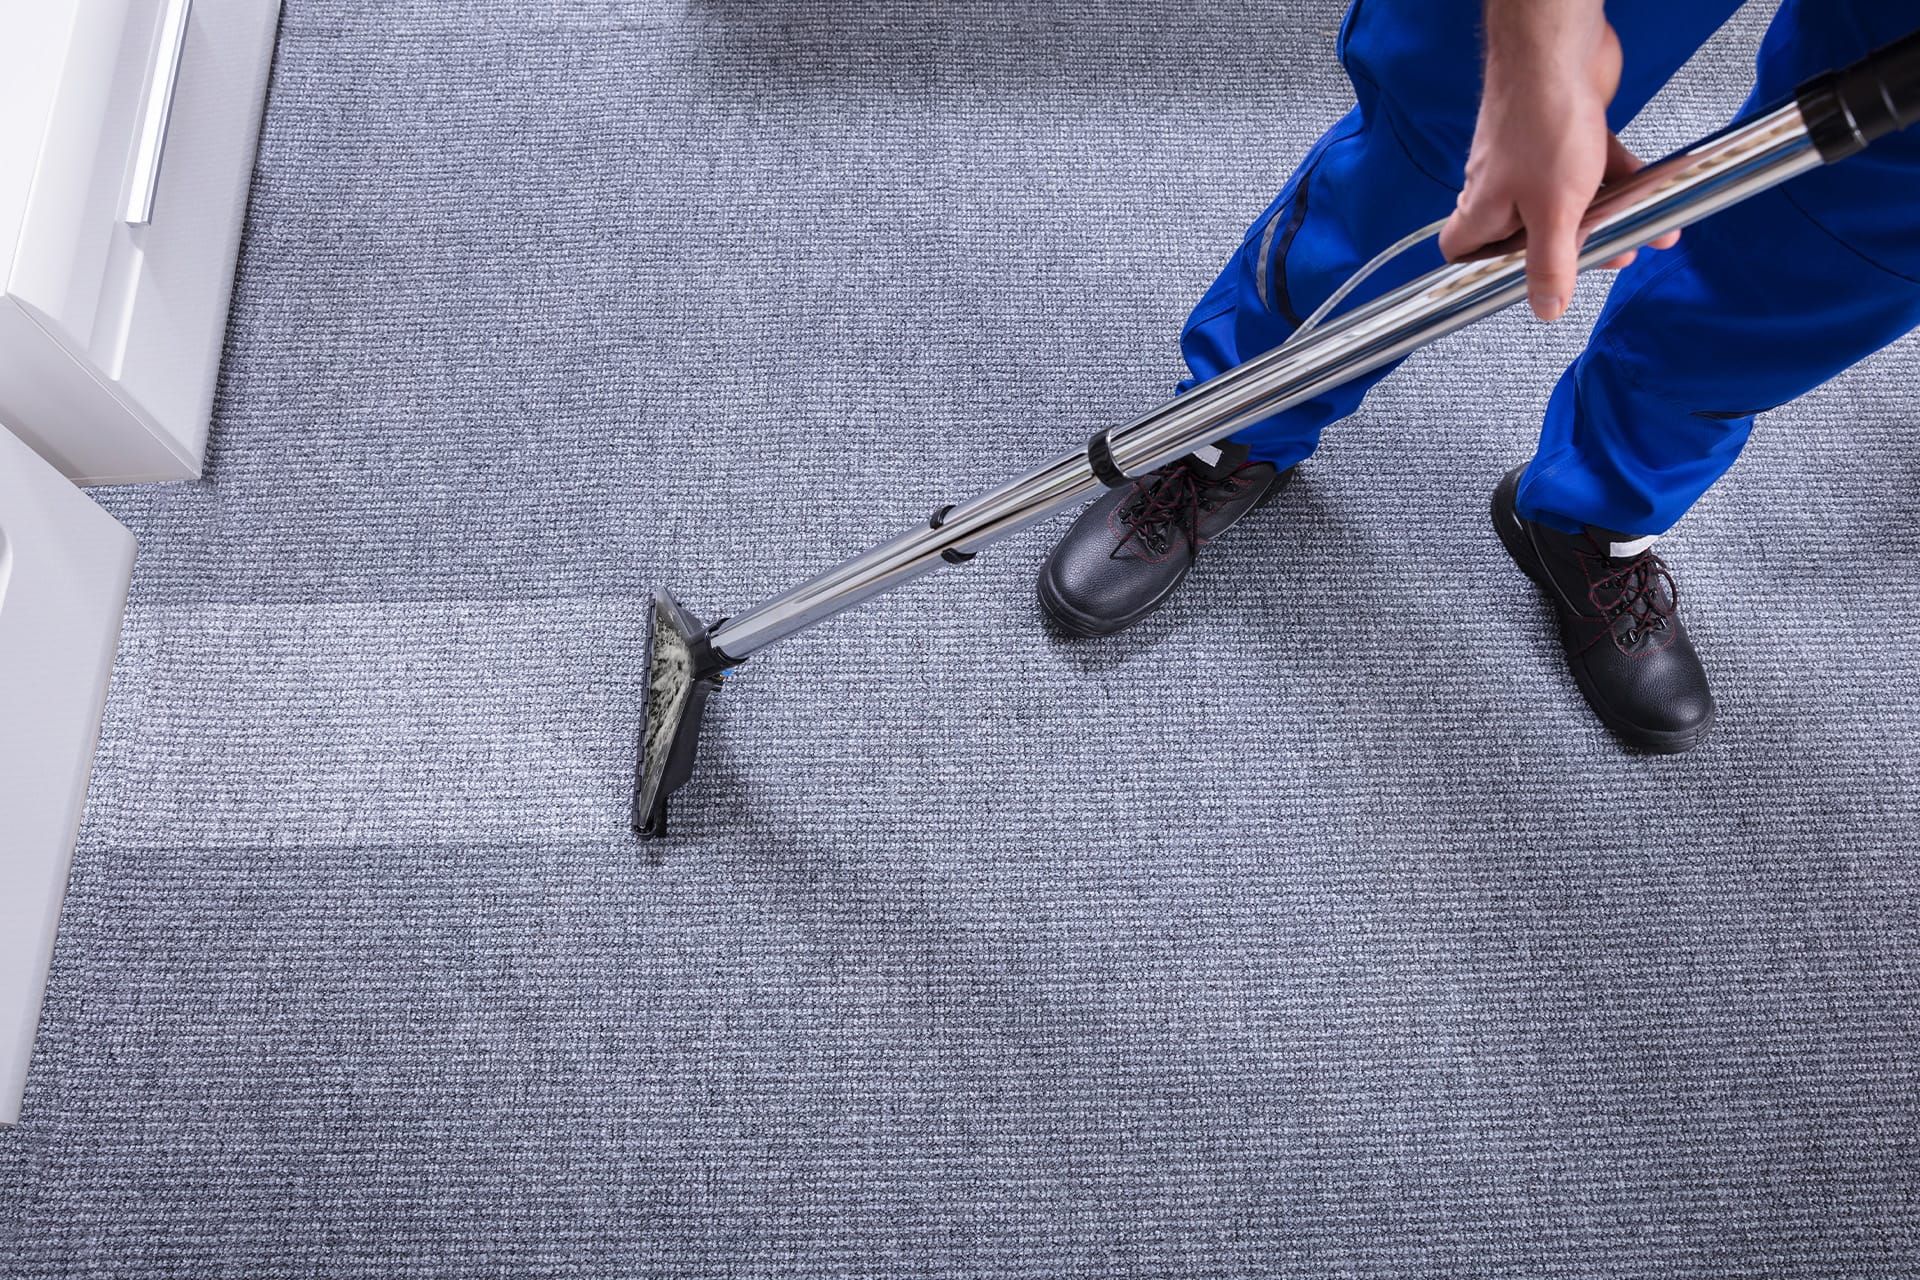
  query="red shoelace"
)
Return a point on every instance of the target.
[
  {"x": 1638, "y": 588},
  {"x": 1175, "y": 496}
]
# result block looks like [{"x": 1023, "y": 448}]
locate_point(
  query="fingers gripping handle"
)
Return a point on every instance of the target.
[{"x": 1880, "y": 94}]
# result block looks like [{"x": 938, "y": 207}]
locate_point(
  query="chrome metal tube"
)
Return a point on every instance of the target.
[{"x": 1684, "y": 187}]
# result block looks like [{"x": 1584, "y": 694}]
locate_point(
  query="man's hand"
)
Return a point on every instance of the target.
[{"x": 1541, "y": 147}]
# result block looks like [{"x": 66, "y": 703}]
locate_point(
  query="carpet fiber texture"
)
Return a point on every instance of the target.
[{"x": 1313, "y": 930}]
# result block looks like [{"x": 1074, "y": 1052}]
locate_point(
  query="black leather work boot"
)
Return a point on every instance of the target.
[
  {"x": 1129, "y": 552},
  {"x": 1619, "y": 624}
]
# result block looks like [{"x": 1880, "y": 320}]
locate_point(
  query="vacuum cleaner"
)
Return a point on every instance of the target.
[{"x": 1829, "y": 118}]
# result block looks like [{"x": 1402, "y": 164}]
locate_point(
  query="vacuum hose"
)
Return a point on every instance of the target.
[{"x": 1878, "y": 95}]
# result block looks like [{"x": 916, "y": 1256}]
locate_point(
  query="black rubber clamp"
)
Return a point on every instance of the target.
[
  {"x": 951, "y": 556},
  {"x": 1100, "y": 458},
  {"x": 710, "y": 662}
]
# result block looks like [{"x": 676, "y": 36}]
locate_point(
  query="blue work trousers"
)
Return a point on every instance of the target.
[{"x": 1758, "y": 304}]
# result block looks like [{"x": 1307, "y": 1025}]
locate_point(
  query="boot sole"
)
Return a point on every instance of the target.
[
  {"x": 1083, "y": 626},
  {"x": 1666, "y": 742}
]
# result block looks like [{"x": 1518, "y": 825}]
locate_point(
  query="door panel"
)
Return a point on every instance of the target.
[{"x": 64, "y": 569}]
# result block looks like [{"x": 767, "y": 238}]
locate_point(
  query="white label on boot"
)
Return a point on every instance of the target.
[{"x": 1622, "y": 550}]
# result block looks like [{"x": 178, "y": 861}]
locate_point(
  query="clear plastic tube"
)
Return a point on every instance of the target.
[{"x": 1359, "y": 277}]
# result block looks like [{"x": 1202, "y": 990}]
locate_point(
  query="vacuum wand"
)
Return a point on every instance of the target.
[{"x": 1830, "y": 118}]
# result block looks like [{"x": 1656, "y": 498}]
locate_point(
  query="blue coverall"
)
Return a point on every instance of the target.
[{"x": 1757, "y": 305}]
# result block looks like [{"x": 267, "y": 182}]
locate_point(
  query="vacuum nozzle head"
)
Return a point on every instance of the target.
[{"x": 683, "y": 669}]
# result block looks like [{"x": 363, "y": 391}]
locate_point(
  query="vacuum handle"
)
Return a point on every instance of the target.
[
  {"x": 1844, "y": 110},
  {"x": 1880, "y": 94}
]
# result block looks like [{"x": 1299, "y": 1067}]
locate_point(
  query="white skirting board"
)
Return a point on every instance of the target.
[{"x": 64, "y": 569}]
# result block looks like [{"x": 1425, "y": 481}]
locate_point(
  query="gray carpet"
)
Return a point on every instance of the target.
[{"x": 1313, "y": 931}]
